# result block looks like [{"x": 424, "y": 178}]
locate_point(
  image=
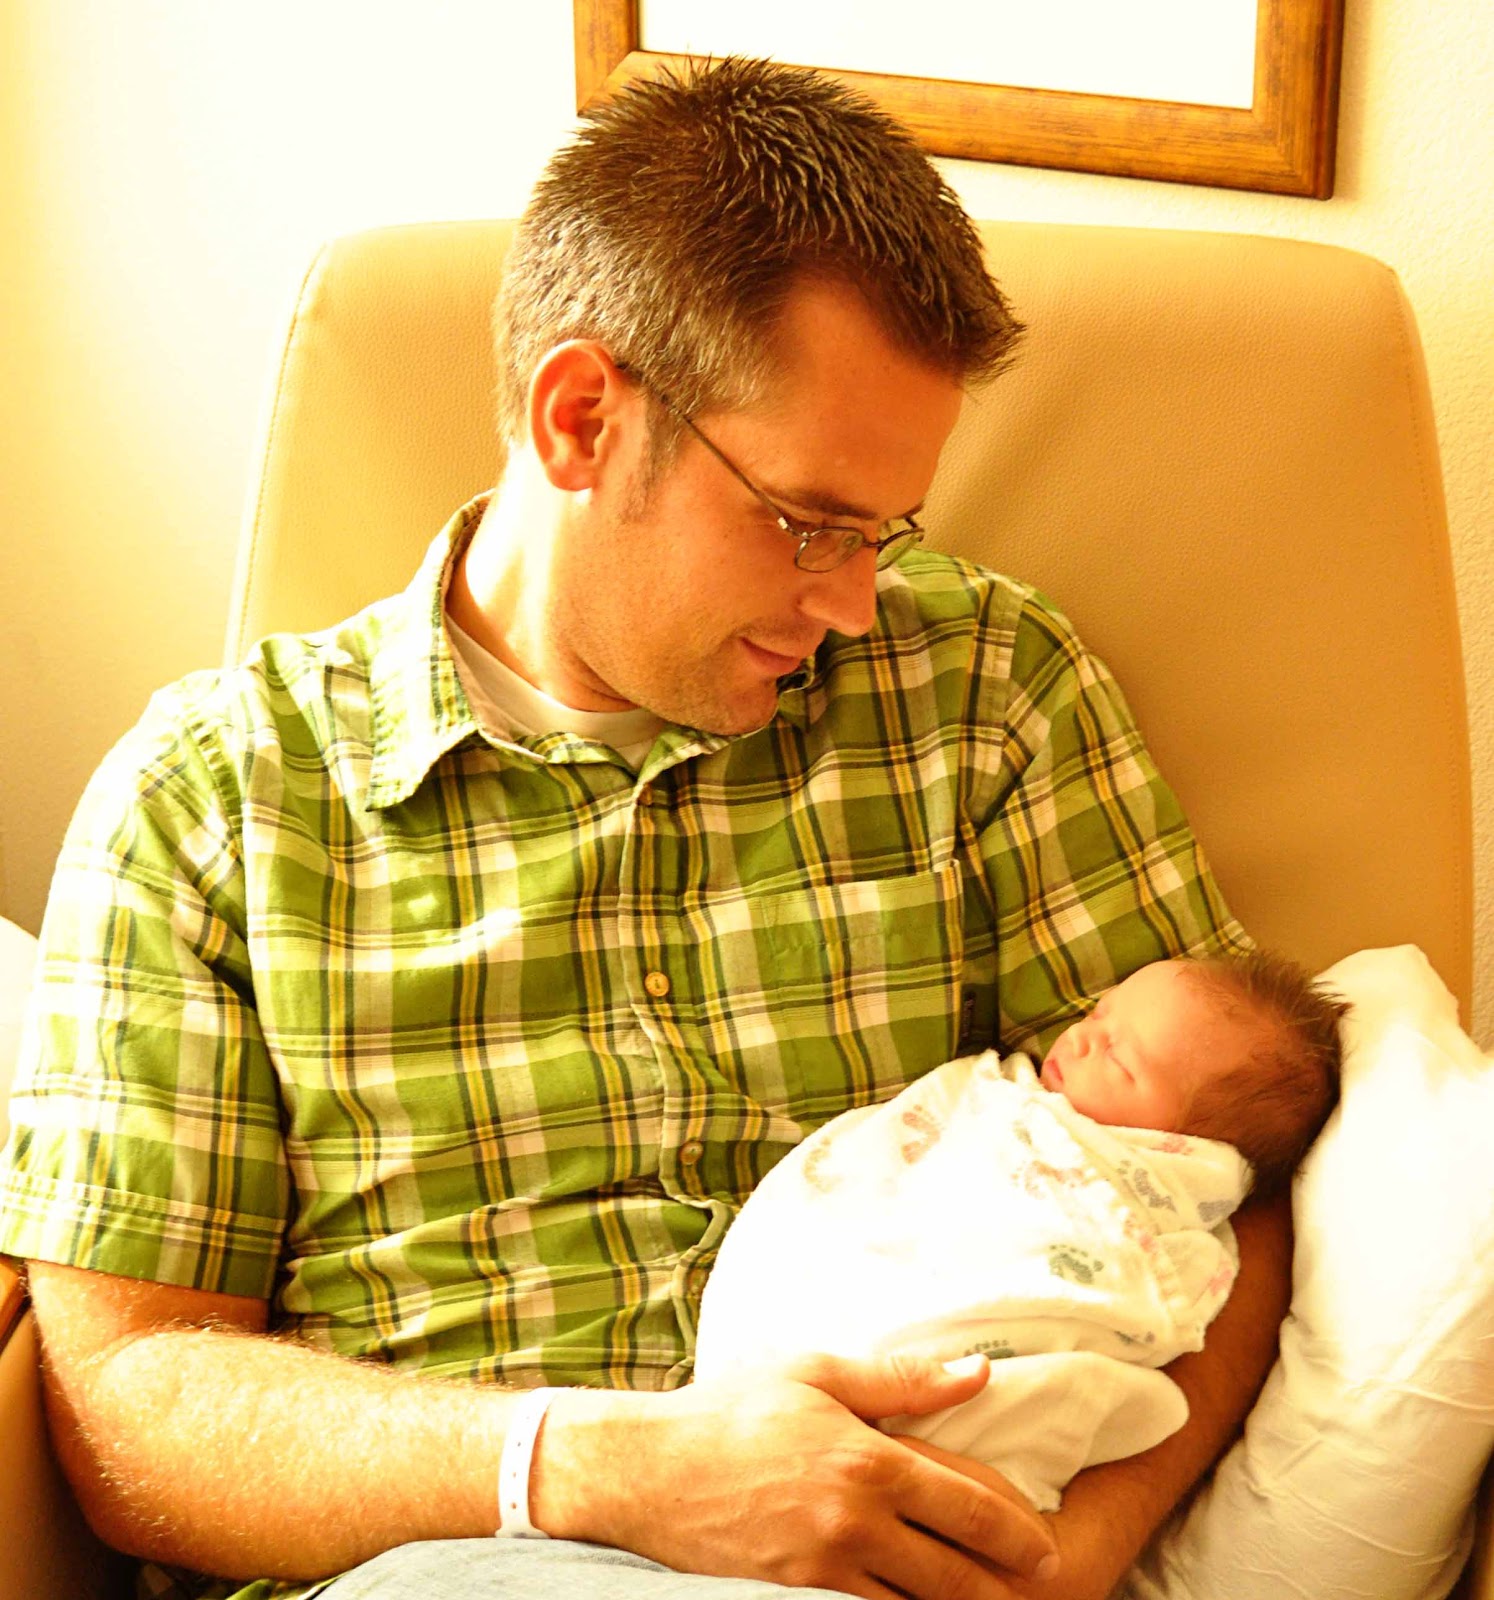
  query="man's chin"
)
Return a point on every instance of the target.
[
  {"x": 725, "y": 703},
  {"x": 727, "y": 719},
  {"x": 728, "y": 726}
]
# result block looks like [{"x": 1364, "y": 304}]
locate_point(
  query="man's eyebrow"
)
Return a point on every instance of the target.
[{"x": 826, "y": 504}]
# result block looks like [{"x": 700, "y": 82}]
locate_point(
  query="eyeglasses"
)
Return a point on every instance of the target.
[{"x": 821, "y": 549}]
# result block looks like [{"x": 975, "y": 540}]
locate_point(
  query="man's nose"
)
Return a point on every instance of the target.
[{"x": 845, "y": 599}]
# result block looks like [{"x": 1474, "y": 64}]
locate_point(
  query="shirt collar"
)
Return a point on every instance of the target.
[{"x": 419, "y": 708}]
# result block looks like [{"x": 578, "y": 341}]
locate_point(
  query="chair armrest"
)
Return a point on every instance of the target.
[
  {"x": 47, "y": 1551},
  {"x": 12, "y": 1299},
  {"x": 1477, "y": 1582}
]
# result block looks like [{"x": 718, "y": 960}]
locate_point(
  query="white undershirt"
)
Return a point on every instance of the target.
[{"x": 508, "y": 706}]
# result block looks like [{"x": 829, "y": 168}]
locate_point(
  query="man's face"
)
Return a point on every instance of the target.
[
  {"x": 1137, "y": 1059},
  {"x": 686, "y": 600}
]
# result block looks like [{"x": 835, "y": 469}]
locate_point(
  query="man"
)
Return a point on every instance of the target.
[{"x": 432, "y": 992}]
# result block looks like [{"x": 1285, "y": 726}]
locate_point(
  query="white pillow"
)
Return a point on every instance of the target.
[
  {"x": 1358, "y": 1466},
  {"x": 17, "y": 961}
]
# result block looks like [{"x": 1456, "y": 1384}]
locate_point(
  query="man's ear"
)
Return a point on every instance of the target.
[{"x": 575, "y": 399}]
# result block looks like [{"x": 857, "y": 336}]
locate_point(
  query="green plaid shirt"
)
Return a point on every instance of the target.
[{"x": 465, "y": 1050}]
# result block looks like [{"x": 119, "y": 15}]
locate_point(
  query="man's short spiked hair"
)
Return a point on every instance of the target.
[{"x": 674, "y": 226}]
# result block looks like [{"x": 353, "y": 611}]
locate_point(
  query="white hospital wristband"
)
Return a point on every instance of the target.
[{"x": 514, "y": 1464}]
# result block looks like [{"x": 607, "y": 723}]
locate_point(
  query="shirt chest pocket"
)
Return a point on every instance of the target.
[{"x": 838, "y": 996}]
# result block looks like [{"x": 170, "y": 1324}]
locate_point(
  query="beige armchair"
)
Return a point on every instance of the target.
[
  {"x": 46, "y": 1550},
  {"x": 1217, "y": 454}
]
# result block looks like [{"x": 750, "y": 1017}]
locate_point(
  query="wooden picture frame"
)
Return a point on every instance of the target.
[{"x": 1282, "y": 144}]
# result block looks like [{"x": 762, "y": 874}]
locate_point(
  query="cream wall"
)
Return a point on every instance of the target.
[{"x": 167, "y": 168}]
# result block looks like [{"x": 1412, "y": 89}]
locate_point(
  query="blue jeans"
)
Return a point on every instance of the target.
[{"x": 535, "y": 1569}]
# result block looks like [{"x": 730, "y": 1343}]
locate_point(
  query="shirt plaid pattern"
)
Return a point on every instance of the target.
[{"x": 465, "y": 1051}]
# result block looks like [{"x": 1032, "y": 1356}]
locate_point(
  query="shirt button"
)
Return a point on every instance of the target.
[
  {"x": 691, "y": 1152},
  {"x": 646, "y": 794},
  {"x": 657, "y": 984}
]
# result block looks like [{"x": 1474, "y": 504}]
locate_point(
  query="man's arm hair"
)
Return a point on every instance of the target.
[{"x": 192, "y": 1438}]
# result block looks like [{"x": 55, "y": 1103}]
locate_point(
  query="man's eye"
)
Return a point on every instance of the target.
[
  {"x": 810, "y": 524},
  {"x": 798, "y": 525}
]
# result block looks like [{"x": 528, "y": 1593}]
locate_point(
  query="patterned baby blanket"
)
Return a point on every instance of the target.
[{"x": 978, "y": 1211}]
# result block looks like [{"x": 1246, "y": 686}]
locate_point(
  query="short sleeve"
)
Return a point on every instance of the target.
[
  {"x": 146, "y": 1135},
  {"x": 1091, "y": 865}
]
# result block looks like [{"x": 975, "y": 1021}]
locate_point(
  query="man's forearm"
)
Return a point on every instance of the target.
[
  {"x": 193, "y": 1438},
  {"x": 1109, "y": 1512},
  {"x": 249, "y": 1457}
]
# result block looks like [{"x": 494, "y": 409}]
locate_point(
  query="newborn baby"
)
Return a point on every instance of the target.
[{"x": 1069, "y": 1222}]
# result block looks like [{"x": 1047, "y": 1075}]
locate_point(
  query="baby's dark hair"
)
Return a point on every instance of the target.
[{"x": 1274, "y": 1103}]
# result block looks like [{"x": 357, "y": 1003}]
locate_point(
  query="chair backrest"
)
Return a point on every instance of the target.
[
  {"x": 1217, "y": 454},
  {"x": 17, "y": 965}
]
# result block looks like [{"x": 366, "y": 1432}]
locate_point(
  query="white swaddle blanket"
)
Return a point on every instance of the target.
[{"x": 977, "y": 1211}]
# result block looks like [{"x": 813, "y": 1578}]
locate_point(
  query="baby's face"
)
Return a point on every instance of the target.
[{"x": 1137, "y": 1058}]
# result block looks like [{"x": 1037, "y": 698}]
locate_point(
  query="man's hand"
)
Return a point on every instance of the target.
[{"x": 775, "y": 1474}]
